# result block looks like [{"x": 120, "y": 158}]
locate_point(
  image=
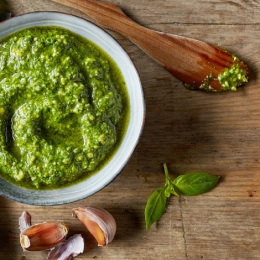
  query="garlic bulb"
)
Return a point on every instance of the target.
[
  {"x": 99, "y": 222},
  {"x": 43, "y": 236}
]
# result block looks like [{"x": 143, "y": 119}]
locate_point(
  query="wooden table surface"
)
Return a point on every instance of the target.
[{"x": 190, "y": 131}]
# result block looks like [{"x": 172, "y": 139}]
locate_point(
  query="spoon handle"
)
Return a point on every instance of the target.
[{"x": 198, "y": 64}]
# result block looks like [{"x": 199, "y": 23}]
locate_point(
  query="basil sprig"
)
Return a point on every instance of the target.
[{"x": 190, "y": 184}]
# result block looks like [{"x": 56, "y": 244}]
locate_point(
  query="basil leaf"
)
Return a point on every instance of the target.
[
  {"x": 155, "y": 207},
  {"x": 192, "y": 184}
]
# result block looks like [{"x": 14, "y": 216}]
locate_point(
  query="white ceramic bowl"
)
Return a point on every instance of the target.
[{"x": 137, "y": 110}]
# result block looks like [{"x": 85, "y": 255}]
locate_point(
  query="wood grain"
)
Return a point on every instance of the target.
[{"x": 191, "y": 131}]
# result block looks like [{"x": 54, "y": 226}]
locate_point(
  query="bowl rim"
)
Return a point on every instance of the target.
[{"x": 137, "y": 116}]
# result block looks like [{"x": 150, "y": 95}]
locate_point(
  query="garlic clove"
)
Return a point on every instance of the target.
[
  {"x": 43, "y": 236},
  {"x": 99, "y": 222},
  {"x": 24, "y": 221},
  {"x": 68, "y": 249}
]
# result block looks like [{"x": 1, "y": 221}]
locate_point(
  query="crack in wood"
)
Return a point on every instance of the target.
[{"x": 183, "y": 230}]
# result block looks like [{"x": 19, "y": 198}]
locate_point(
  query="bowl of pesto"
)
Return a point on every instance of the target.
[{"x": 71, "y": 108}]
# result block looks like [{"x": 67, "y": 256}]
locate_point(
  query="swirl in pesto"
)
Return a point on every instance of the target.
[{"x": 63, "y": 106}]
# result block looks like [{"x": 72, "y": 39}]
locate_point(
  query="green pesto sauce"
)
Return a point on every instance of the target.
[
  {"x": 229, "y": 79},
  {"x": 232, "y": 77},
  {"x": 64, "y": 107}
]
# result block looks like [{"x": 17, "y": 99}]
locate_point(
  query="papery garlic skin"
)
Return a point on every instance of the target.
[
  {"x": 99, "y": 222},
  {"x": 68, "y": 249},
  {"x": 43, "y": 236}
]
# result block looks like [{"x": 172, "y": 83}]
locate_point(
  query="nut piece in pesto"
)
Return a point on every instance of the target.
[{"x": 63, "y": 107}]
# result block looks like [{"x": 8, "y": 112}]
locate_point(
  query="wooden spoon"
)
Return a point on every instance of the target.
[{"x": 198, "y": 64}]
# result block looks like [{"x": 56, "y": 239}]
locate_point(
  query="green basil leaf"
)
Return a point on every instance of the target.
[
  {"x": 155, "y": 207},
  {"x": 192, "y": 184}
]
